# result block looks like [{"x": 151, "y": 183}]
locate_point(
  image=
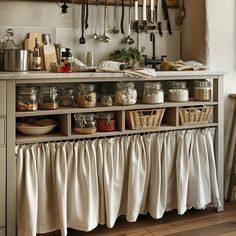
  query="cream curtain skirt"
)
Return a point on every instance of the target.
[{"x": 82, "y": 184}]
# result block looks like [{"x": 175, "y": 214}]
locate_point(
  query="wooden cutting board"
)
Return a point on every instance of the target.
[{"x": 50, "y": 55}]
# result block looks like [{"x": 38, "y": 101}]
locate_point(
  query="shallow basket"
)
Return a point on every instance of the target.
[
  {"x": 144, "y": 119},
  {"x": 195, "y": 115}
]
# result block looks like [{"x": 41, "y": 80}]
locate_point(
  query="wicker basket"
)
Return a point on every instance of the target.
[
  {"x": 144, "y": 119},
  {"x": 195, "y": 115}
]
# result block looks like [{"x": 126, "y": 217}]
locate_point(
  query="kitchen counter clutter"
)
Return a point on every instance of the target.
[{"x": 87, "y": 112}]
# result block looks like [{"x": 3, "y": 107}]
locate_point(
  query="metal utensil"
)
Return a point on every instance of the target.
[
  {"x": 166, "y": 16},
  {"x": 129, "y": 40},
  {"x": 122, "y": 17},
  {"x": 95, "y": 36},
  {"x": 104, "y": 38},
  {"x": 114, "y": 30},
  {"x": 87, "y": 14},
  {"x": 82, "y": 39}
]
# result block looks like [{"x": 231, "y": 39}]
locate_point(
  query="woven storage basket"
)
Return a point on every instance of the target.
[
  {"x": 144, "y": 119},
  {"x": 195, "y": 115}
]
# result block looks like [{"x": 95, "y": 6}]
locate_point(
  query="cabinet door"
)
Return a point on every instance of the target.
[
  {"x": 2, "y": 186},
  {"x": 2, "y": 97},
  {"x": 2, "y": 131}
]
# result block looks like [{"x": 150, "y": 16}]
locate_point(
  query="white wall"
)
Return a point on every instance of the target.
[{"x": 26, "y": 16}]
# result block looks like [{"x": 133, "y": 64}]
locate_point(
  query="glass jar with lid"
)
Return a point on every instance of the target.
[
  {"x": 85, "y": 123},
  {"x": 107, "y": 100},
  {"x": 178, "y": 92},
  {"x": 67, "y": 97},
  {"x": 153, "y": 93},
  {"x": 125, "y": 94},
  {"x": 87, "y": 96},
  {"x": 48, "y": 98},
  {"x": 202, "y": 90},
  {"x": 106, "y": 121},
  {"x": 26, "y": 99}
]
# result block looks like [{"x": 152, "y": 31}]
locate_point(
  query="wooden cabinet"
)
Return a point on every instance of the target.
[{"x": 2, "y": 187}]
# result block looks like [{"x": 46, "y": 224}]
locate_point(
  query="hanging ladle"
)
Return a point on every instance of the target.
[
  {"x": 129, "y": 40},
  {"x": 104, "y": 38},
  {"x": 114, "y": 30},
  {"x": 95, "y": 36}
]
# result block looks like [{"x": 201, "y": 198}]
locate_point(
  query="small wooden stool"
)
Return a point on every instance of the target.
[{"x": 232, "y": 156}]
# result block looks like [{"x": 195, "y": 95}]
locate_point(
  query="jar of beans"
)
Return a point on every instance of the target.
[
  {"x": 85, "y": 123},
  {"x": 26, "y": 99},
  {"x": 106, "y": 121},
  {"x": 87, "y": 96}
]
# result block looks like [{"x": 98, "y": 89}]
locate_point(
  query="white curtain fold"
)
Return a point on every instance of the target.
[{"x": 85, "y": 183}]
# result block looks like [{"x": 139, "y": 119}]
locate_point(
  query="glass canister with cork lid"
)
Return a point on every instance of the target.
[
  {"x": 86, "y": 96},
  {"x": 178, "y": 92},
  {"x": 106, "y": 121},
  {"x": 125, "y": 94},
  {"x": 26, "y": 99},
  {"x": 202, "y": 90},
  {"x": 48, "y": 98},
  {"x": 85, "y": 123},
  {"x": 153, "y": 93}
]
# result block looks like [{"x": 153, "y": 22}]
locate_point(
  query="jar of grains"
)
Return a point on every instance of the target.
[
  {"x": 86, "y": 95},
  {"x": 202, "y": 90},
  {"x": 106, "y": 121},
  {"x": 85, "y": 123},
  {"x": 106, "y": 100},
  {"x": 26, "y": 99},
  {"x": 125, "y": 93},
  {"x": 67, "y": 98},
  {"x": 153, "y": 93},
  {"x": 178, "y": 92},
  {"x": 48, "y": 98}
]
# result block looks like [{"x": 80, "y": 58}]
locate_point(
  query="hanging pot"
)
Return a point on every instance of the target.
[{"x": 16, "y": 60}]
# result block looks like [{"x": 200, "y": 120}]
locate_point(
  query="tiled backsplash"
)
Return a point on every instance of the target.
[{"x": 45, "y": 18}]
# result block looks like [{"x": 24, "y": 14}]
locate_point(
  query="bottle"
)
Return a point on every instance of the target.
[
  {"x": 36, "y": 56},
  {"x": 67, "y": 67}
]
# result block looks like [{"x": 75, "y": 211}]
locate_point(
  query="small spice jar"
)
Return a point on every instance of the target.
[
  {"x": 178, "y": 92},
  {"x": 85, "y": 123},
  {"x": 153, "y": 93},
  {"x": 87, "y": 96},
  {"x": 67, "y": 97},
  {"x": 106, "y": 100},
  {"x": 48, "y": 98},
  {"x": 106, "y": 121},
  {"x": 125, "y": 94},
  {"x": 26, "y": 99},
  {"x": 202, "y": 90}
]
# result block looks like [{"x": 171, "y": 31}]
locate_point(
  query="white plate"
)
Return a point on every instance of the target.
[{"x": 37, "y": 130}]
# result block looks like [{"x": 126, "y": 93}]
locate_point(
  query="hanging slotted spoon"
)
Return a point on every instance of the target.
[{"x": 114, "y": 30}]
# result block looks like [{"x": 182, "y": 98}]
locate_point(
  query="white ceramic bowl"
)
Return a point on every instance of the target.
[{"x": 35, "y": 130}]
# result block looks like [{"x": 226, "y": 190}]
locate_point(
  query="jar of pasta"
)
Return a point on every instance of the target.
[
  {"x": 85, "y": 123},
  {"x": 125, "y": 94},
  {"x": 153, "y": 93},
  {"x": 178, "y": 92},
  {"x": 87, "y": 96},
  {"x": 202, "y": 90},
  {"x": 48, "y": 98},
  {"x": 26, "y": 99},
  {"x": 106, "y": 121}
]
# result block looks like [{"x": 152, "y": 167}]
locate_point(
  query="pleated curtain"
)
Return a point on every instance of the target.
[{"x": 82, "y": 184}]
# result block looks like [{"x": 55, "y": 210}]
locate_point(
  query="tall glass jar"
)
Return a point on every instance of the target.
[
  {"x": 48, "y": 98},
  {"x": 26, "y": 99},
  {"x": 87, "y": 96},
  {"x": 85, "y": 123},
  {"x": 202, "y": 90},
  {"x": 106, "y": 121},
  {"x": 67, "y": 97},
  {"x": 178, "y": 92},
  {"x": 153, "y": 93},
  {"x": 125, "y": 94}
]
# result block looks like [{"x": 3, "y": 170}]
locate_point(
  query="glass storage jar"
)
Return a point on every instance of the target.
[
  {"x": 178, "y": 92},
  {"x": 87, "y": 96},
  {"x": 125, "y": 93},
  {"x": 106, "y": 100},
  {"x": 26, "y": 99},
  {"x": 67, "y": 97},
  {"x": 202, "y": 90},
  {"x": 48, "y": 98},
  {"x": 106, "y": 121},
  {"x": 85, "y": 123},
  {"x": 153, "y": 93}
]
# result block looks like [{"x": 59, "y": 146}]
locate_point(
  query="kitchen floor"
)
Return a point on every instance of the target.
[{"x": 193, "y": 222}]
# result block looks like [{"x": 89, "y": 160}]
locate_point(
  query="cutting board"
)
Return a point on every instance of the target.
[
  {"x": 29, "y": 44},
  {"x": 50, "y": 55}
]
